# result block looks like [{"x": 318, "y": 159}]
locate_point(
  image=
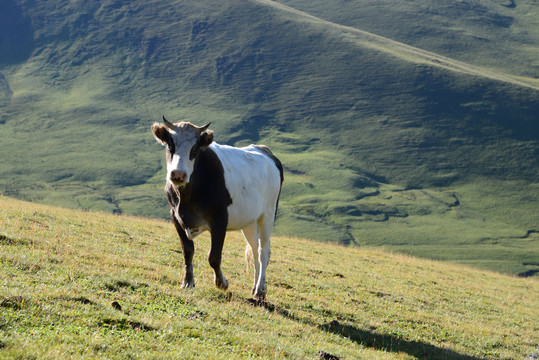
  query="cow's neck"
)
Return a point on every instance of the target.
[{"x": 184, "y": 192}]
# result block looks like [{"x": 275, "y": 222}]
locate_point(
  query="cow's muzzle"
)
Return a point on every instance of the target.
[{"x": 178, "y": 177}]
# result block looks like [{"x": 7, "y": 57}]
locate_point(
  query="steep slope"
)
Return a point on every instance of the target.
[
  {"x": 361, "y": 120},
  {"x": 92, "y": 285},
  {"x": 499, "y": 34}
]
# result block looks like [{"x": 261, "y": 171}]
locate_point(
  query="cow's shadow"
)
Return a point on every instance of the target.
[
  {"x": 371, "y": 339},
  {"x": 390, "y": 343}
]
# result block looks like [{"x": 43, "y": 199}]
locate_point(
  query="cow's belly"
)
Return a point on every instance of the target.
[
  {"x": 252, "y": 200},
  {"x": 243, "y": 212}
]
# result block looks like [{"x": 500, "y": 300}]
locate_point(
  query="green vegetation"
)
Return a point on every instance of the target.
[
  {"x": 81, "y": 284},
  {"x": 491, "y": 35},
  {"x": 407, "y": 125}
]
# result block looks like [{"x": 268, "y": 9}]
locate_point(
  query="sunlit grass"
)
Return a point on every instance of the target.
[{"x": 87, "y": 284}]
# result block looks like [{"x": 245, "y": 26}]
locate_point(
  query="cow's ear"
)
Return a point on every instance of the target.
[
  {"x": 161, "y": 134},
  {"x": 206, "y": 138}
]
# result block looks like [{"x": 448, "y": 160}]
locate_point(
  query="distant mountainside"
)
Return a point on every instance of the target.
[
  {"x": 367, "y": 103},
  {"x": 500, "y": 35}
]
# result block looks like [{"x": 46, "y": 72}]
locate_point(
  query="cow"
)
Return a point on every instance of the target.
[{"x": 220, "y": 188}]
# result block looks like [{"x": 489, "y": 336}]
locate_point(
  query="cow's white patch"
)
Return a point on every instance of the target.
[
  {"x": 253, "y": 181},
  {"x": 185, "y": 137}
]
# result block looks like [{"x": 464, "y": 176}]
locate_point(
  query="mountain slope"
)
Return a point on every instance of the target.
[
  {"x": 404, "y": 51},
  {"x": 498, "y": 35},
  {"x": 380, "y": 133},
  {"x": 86, "y": 285}
]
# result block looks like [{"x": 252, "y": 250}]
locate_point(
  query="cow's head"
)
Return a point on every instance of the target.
[{"x": 183, "y": 142}]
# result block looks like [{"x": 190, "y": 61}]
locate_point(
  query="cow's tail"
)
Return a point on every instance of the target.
[
  {"x": 249, "y": 257},
  {"x": 266, "y": 150}
]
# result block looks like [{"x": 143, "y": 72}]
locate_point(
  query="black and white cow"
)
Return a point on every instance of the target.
[{"x": 220, "y": 188}]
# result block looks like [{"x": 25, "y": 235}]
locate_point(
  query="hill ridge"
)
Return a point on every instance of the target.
[{"x": 409, "y": 52}]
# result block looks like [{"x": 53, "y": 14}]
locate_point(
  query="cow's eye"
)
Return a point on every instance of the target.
[
  {"x": 194, "y": 152},
  {"x": 171, "y": 147},
  {"x": 170, "y": 152}
]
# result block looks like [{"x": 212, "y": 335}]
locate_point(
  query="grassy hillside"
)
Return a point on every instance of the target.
[
  {"x": 382, "y": 129},
  {"x": 90, "y": 285},
  {"x": 497, "y": 35}
]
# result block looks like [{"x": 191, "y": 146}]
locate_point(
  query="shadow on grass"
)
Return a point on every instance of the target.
[
  {"x": 4, "y": 240},
  {"x": 390, "y": 343},
  {"x": 370, "y": 339}
]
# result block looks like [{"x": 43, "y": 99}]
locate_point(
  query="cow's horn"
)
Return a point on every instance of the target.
[
  {"x": 203, "y": 128},
  {"x": 168, "y": 123}
]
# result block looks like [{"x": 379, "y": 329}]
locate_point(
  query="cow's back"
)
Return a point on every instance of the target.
[{"x": 253, "y": 180}]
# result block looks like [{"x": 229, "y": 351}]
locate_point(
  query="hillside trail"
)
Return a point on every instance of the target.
[{"x": 404, "y": 51}]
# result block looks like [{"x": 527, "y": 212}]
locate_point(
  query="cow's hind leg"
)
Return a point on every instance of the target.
[
  {"x": 218, "y": 234},
  {"x": 265, "y": 227},
  {"x": 250, "y": 233}
]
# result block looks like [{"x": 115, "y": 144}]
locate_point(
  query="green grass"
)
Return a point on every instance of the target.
[
  {"x": 62, "y": 271},
  {"x": 469, "y": 222},
  {"x": 377, "y": 111}
]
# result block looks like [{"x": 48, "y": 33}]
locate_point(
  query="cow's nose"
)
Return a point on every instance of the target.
[{"x": 178, "y": 176}]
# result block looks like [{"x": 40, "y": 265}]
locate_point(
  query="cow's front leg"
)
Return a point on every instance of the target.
[
  {"x": 188, "y": 249},
  {"x": 214, "y": 257}
]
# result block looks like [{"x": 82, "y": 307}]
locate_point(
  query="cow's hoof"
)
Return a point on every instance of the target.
[
  {"x": 221, "y": 282},
  {"x": 188, "y": 284},
  {"x": 260, "y": 295}
]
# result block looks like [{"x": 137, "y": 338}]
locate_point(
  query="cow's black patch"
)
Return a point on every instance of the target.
[
  {"x": 205, "y": 198},
  {"x": 171, "y": 148},
  {"x": 202, "y": 202},
  {"x": 194, "y": 151}
]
